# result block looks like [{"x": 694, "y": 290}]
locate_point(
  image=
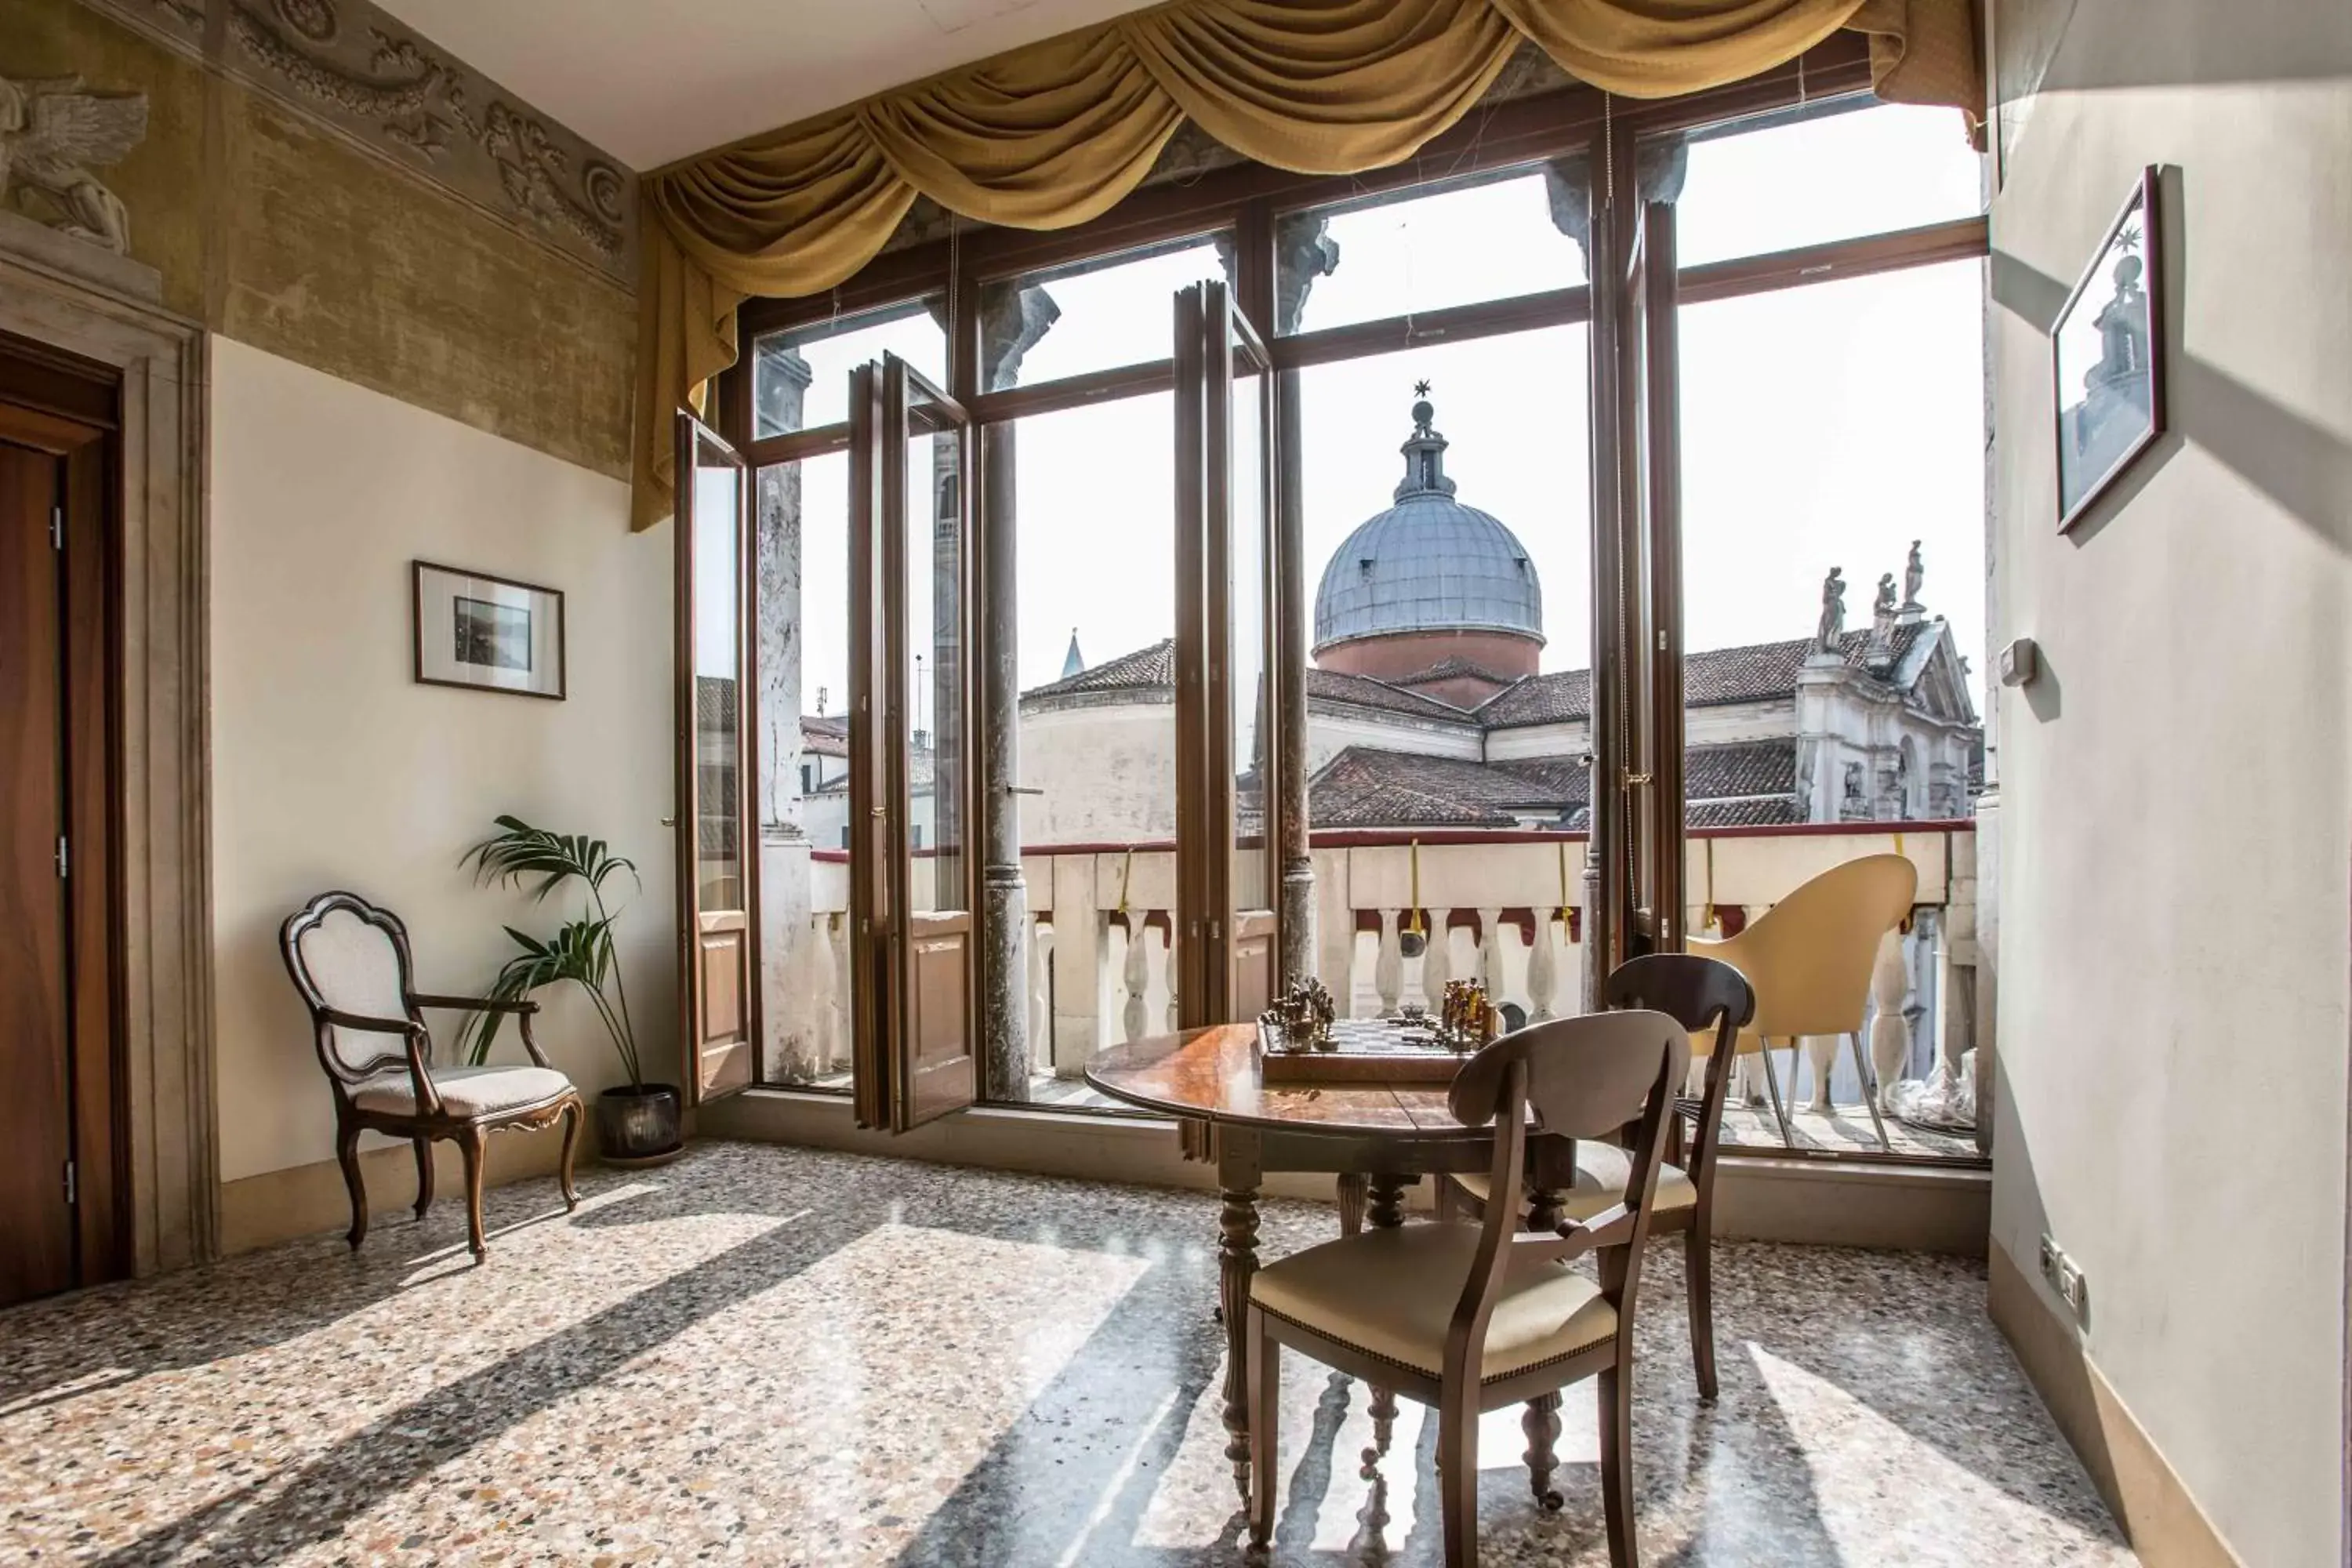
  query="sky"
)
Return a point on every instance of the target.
[{"x": 1829, "y": 425}]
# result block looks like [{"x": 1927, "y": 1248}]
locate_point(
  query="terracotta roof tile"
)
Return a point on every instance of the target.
[
  {"x": 1331, "y": 685},
  {"x": 826, "y": 735},
  {"x": 1453, "y": 670},
  {"x": 1143, "y": 670},
  {"x": 1365, "y": 786},
  {"x": 1751, "y": 673}
]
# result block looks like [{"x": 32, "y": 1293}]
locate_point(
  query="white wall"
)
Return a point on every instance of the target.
[
  {"x": 1107, "y": 771},
  {"x": 2177, "y": 791},
  {"x": 1330, "y": 730},
  {"x": 331, "y": 768}
]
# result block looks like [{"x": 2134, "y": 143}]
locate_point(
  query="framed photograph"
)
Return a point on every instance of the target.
[
  {"x": 487, "y": 632},
  {"x": 2107, "y": 354}
]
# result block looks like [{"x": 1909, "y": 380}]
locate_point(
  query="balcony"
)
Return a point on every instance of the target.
[{"x": 1511, "y": 907}]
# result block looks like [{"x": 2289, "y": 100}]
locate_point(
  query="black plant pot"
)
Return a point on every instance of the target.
[{"x": 638, "y": 1123}]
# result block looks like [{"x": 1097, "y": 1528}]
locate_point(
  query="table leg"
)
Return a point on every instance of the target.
[
  {"x": 1237, "y": 1260},
  {"x": 1387, "y": 1211},
  {"x": 1542, "y": 1421},
  {"x": 1239, "y": 1173},
  {"x": 1352, "y": 1203}
]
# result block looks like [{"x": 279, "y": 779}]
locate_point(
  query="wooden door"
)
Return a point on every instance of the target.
[
  {"x": 913, "y": 798},
  {"x": 718, "y": 1001},
  {"x": 37, "y": 1211},
  {"x": 1655, "y": 536},
  {"x": 1228, "y": 665},
  {"x": 927, "y": 615},
  {"x": 1637, "y": 721},
  {"x": 873, "y": 1020}
]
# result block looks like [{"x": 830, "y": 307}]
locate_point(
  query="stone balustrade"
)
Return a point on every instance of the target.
[{"x": 1504, "y": 908}]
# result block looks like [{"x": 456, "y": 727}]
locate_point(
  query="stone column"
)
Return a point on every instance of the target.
[
  {"x": 776, "y": 550},
  {"x": 1011, "y": 322},
  {"x": 793, "y": 1046},
  {"x": 1304, "y": 251},
  {"x": 1003, "y": 891}
]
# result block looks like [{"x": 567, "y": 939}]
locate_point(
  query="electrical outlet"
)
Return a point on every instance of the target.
[{"x": 2066, "y": 1280}]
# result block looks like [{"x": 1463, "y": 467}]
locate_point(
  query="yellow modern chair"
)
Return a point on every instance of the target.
[{"x": 1810, "y": 958}]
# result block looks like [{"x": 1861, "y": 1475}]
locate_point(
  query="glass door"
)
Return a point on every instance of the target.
[
  {"x": 1228, "y": 670},
  {"x": 1637, "y": 726},
  {"x": 1657, "y": 528},
  {"x": 1652, "y": 583},
  {"x": 911, "y": 732},
  {"x": 718, "y": 1004}
]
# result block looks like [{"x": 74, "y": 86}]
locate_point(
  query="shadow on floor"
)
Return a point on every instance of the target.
[{"x": 1117, "y": 1458}]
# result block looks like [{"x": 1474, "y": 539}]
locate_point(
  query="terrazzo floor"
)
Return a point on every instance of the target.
[
  {"x": 773, "y": 1355},
  {"x": 1745, "y": 1127}
]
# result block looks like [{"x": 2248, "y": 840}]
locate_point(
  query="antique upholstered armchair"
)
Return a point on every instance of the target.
[{"x": 350, "y": 961}]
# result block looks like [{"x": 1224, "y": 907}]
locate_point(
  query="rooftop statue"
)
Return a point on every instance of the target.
[
  {"x": 1825, "y": 639},
  {"x": 52, "y": 134},
  {"x": 1915, "y": 573}
]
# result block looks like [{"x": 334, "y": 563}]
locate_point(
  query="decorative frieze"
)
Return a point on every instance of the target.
[
  {"x": 54, "y": 135},
  {"x": 356, "y": 68}
]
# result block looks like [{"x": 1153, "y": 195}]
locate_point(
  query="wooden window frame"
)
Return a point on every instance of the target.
[
  {"x": 696, "y": 1085},
  {"x": 1247, "y": 201}
]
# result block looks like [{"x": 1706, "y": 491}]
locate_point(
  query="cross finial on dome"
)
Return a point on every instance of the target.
[{"x": 1425, "y": 452}]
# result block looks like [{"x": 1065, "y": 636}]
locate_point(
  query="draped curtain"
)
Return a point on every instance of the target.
[{"x": 1057, "y": 133}]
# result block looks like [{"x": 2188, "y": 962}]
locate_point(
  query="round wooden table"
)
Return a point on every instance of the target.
[{"x": 1377, "y": 1139}]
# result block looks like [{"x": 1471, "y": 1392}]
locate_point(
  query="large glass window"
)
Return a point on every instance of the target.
[
  {"x": 1417, "y": 250},
  {"x": 1095, "y": 538},
  {"x": 800, "y": 378},
  {"x": 936, "y": 721},
  {"x": 801, "y": 549},
  {"x": 1839, "y": 171},
  {"x": 1252, "y": 719},
  {"x": 1447, "y": 558},
  {"x": 1094, "y": 315},
  {"x": 1441, "y": 500},
  {"x": 1832, "y": 557}
]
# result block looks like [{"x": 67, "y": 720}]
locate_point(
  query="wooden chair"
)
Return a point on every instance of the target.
[
  {"x": 1471, "y": 1318},
  {"x": 350, "y": 961},
  {"x": 1810, "y": 958},
  {"x": 1711, "y": 1001}
]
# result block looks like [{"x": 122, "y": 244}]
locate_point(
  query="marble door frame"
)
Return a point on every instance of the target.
[{"x": 102, "y": 309}]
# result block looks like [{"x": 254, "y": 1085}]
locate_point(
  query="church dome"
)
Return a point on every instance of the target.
[{"x": 1430, "y": 569}]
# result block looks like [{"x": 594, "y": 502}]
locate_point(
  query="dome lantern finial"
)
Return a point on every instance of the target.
[{"x": 1424, "y": 451}]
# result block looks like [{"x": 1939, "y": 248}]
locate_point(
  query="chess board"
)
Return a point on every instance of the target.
[{"x": 1363, "y": 1051}]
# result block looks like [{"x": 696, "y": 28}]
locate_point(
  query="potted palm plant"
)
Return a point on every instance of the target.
[{"x": 635, "y": 1121}]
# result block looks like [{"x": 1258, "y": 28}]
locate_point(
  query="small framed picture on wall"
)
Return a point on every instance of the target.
[
  {"x": 2107, "y": 355},
  {"x": 476, "y": 630}
]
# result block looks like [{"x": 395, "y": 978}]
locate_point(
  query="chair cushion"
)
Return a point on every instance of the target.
[
  {"x": 1601, "y": 1171},
  {"x": 464, "y": 1092},
  {"x": 1393, "y": 1292}
]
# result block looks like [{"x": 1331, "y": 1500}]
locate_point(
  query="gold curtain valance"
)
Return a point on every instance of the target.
[{"x": 1054, "y": 134}]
